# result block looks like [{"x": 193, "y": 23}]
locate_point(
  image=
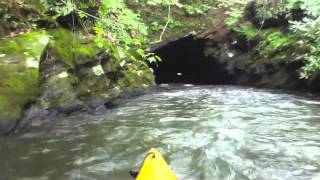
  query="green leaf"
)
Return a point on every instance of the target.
[
  {"x": 98, "y": 70},
  {"x": 82, "y": 15}
]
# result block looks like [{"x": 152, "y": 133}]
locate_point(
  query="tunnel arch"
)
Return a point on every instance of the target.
[{"x": 184, "y": 61}]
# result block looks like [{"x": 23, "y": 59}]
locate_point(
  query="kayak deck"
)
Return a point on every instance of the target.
[{"x": 155, "y": 167}]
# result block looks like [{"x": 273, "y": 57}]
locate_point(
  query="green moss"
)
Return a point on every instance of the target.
[
  {"x": 85, "y": 51},
  {"x": 30, "y": 44},
  {"x": 136, "y": 77},
  {"x": 62, "y": 42},
  {"x": 64, "y": 91},
  {"x": 19, "y": 62},
  {"x": 16, "y": 88},
  {"x": 70, "y": 49}
]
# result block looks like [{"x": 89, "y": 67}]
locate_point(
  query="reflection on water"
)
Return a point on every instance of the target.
[{"x": 205, "y": 132}]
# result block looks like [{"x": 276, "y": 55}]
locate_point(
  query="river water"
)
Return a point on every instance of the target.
[{"x": 205, "y": 133}]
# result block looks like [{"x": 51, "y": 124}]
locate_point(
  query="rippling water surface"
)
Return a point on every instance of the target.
[{"x": 205, "y": 133}]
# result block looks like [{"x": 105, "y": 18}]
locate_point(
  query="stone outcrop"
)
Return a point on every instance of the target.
[
  {"x": 19, "y": 73},
  {"x": 42, "y": 78}
]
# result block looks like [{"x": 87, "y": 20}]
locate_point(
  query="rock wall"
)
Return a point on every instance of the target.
[
  {"x": 19, "y": 73},
  {"x": 42, "y": 78}
]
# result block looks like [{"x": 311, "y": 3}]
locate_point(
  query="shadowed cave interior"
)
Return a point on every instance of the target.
[{"x": 184, "y": 61}]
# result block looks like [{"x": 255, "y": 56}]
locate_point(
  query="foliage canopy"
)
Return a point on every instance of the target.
[{"x": 120, "y": 26}]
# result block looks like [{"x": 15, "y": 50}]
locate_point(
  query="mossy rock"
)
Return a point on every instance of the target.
[
  {"x": 76, "y": 73},
  {"x": 19, "y": 67},
  {"x": 136, "y": 77},
  {"x": 73, "y": 48},
  {"x": 58, "y": 92},
  {"x": 63, "y": 75}
]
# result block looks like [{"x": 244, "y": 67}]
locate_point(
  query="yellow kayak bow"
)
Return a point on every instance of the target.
[{"x": 155, "y": 167}]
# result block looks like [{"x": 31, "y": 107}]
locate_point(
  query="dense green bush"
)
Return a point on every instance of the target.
[
  {"x": 120, "y": 23},
  {"x": 309, "y": 29},
  {"x": 305, "y": 32},
  {"x": 117, "y": 24}
]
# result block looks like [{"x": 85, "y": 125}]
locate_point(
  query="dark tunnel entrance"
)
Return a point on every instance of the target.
[{"x": 184, "y": 61}]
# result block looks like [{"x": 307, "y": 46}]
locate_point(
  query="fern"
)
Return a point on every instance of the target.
[
  {"x": 124, "y": 29},
  {"x": 309, "y": 29},
  {"x": 312, "y": 7}
]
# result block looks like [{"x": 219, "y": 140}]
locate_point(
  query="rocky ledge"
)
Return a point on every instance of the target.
[{"x": 51, "y": 72}]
